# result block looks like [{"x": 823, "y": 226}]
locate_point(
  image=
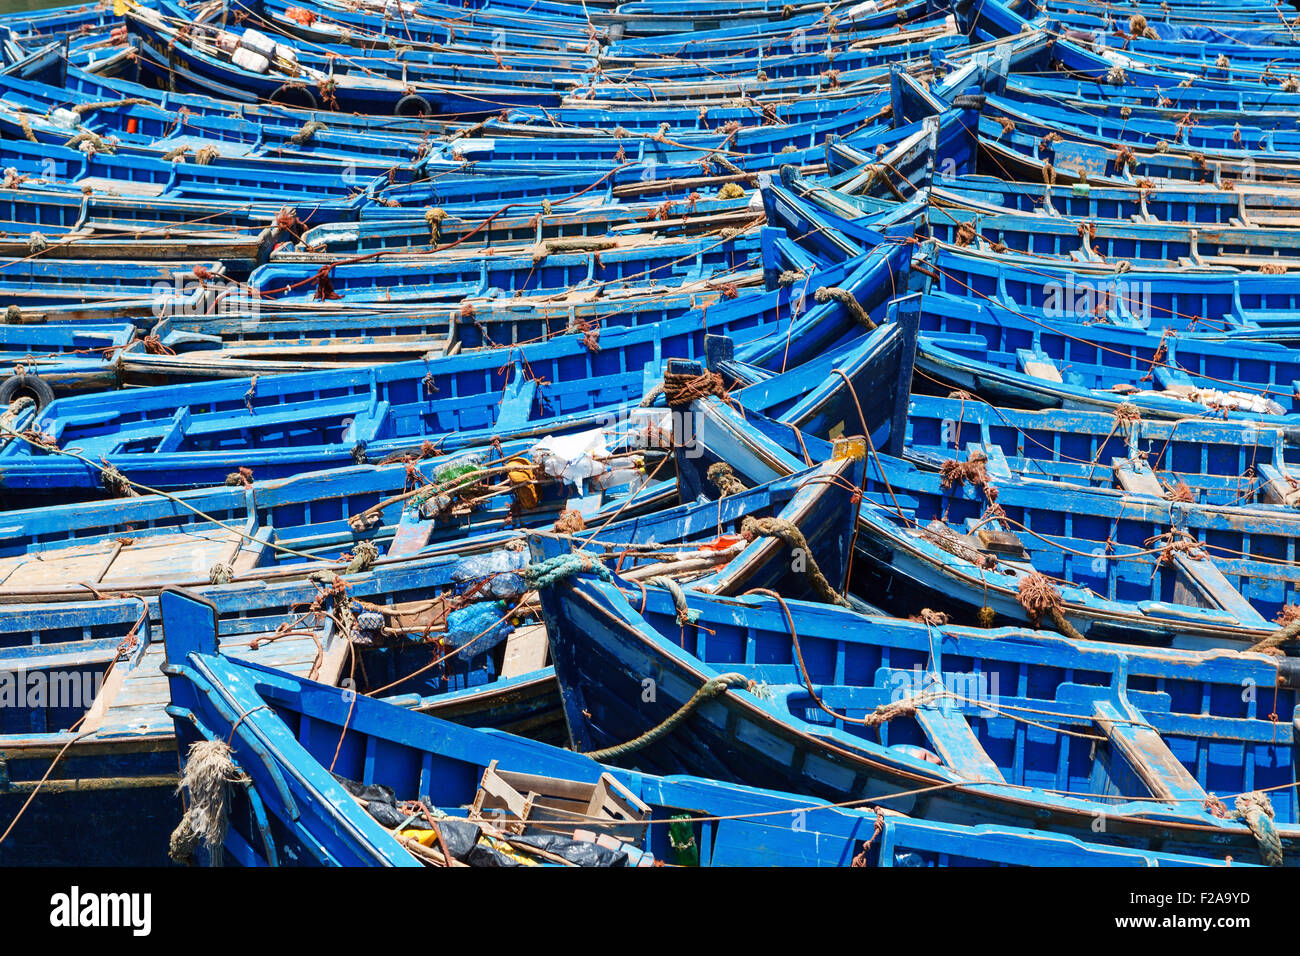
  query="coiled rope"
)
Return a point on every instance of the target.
[{"x": 544, "y": 574}]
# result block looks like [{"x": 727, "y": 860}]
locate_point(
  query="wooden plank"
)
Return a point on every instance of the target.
[
  {"x": 1137, "y": 477},
  {"x": 1147, "y": 754},
  {"x": 527, "y": 650},
  {"x": 1203, "y": 584},
  {"x": 957, "y": 745}
]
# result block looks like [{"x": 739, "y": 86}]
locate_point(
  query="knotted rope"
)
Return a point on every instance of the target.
[
  {"x": 1256, "y": 811},
  {"x": 433, "y": 219},
  {"x": 954, "y": 474},
  {"x": 115, "y": 482},
  {"x": 1137, "y": 27},
  {"x": 309, "y": 129},
  {"x": 570, "y": 521},
  {"x": 86, "y": 136},
  {"x": 681, "y": 388},
  {"x": 363, "y": 558},
  {"x": 724, "y": 479},
  {"x": 1039, "y": 597},
  {"x": 16, "y": 408},
  {"x": 1288, "y": 620}
]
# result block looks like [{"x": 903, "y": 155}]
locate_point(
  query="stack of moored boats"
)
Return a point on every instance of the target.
[{"x": 547, "y": 433}]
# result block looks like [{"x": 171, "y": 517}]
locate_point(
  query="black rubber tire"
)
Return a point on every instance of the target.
[
  {"x": 287, "y": 95},
  {"x": 24, "y": 384},
  {"x": 413, "y": 105}
]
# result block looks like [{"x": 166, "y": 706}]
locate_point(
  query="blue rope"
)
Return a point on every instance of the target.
[{"x": 546, "y": 573}]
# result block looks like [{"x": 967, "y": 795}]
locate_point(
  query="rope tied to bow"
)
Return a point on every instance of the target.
[
  {"x": 789, "y": 534},
  {"x": 851, "y": 305},
  {"x": 953, "y": 474},
  {"x": 209, "y": 771},
  {"x": 724, "y": 479},
  {"x": 1288, "y": 621},
  {"x": 363, "y": 558},
  {"x": 544, "y": 574},
  {"x": 433, "y": 219},
  {"x": 115, "y": 483},
  {"x": 1040, "y": 597},
  {"x": 154, "y": 345},
  {"x": 286, "y": 220},
  {"x": 1256, "y": 811},
  {"x": 682, "y": 388}
]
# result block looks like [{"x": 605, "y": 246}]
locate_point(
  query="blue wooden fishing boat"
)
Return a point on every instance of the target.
[
  {"x": 1192, "y": 206},
  {"x": 1138, "y": 246},
  {"x": 547, "y": 267},
  {"x": 191, "y": 435},
  {"x": 170, "y": 48},
  {"x": 419, "y": 650},
  {"x": 833, "y": 719},
  {"x": 1214, "y": 463},
  {"x": 973, "y": 345},
  {"x": 84, "y": 723},
  {"x": 59, "y": 359},
  {"x": 303, "y": 745},
  {"x": 926, "y": 539},
  {"x": 257, "y": 529},
  {"x": 30, "y": 26},
  {"x": 39, "y": 282}
]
